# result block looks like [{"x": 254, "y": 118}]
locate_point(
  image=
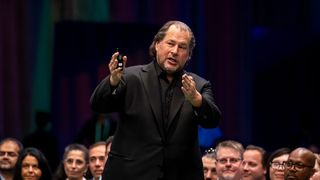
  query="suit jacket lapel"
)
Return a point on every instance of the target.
[{"x": 151, "y": 85}]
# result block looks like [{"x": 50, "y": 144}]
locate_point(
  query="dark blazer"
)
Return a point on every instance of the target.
[{"x": 142, "y": 149}]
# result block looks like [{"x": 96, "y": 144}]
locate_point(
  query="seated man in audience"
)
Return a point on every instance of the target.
[
  {"x": 228, "y": 160},
  {"x": 209, "y": 165},
  {"x": 254, "y": 163},
  {"x": 97, "y": 159},
  {"x": 10, "y": 149},
  {"x": 300, "y": 164}
]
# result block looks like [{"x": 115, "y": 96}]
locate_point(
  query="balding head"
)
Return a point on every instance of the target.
[
  {"x": 304, "y": 154},
  {"x": 300, "y": 164}
]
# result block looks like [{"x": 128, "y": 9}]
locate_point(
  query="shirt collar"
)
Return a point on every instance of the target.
[{"x": 161, "y": 73}]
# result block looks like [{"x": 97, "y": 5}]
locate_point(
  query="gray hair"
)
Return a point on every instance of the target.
[
  {"x": 162, "y": 33},
  {"x": 230, "y": 144}
]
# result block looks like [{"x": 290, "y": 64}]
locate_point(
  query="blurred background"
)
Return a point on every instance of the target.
[{"x": 260, "y": 56}]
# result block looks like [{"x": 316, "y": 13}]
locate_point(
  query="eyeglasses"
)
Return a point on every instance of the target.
[
  {"x": 230, "y": 160},
  {"x": 276, "y": 165},
  {"x": 296, "y": 165}
]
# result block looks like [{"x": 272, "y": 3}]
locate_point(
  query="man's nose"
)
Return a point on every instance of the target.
[
  {"x": 174, "y": 49},
  {"x": 245, "y": 166},
  {"x": 208, "y": 175},
  {"x": 98, "y": 162}
]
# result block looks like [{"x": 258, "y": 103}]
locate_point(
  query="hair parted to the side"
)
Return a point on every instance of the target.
[{"x": 162, "y": 33}]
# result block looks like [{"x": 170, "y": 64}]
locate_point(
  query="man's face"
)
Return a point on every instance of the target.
[
  {"x": 9, "y": 152},
  {"x": 209, "y": 168},
  {"x": 228, "y": 164},
  {"x": 252, "y": 166},
  {"x": 97, "y": 160},
  {"x": 300, "y": 170},
  {"x": 173, "y": 51}
]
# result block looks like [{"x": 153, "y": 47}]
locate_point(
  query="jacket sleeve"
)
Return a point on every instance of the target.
[
  {"x": 106, "y": 98},
  {"x": 208, "y": 113}
]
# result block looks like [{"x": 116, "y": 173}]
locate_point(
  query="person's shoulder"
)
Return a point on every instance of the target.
[
  {"x": 133, "y": 69},
  {"x": 137, "y": 68}
]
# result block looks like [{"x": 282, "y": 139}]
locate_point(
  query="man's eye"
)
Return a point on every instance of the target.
[
  {"x": 183, "y": 47},
  {"x": 205, "y": 169},
  {"x": 170, "y": 43},
  {"x": 232, "y": 160},
  {"x": 223, "y": 160},
  {"x": 102, "y": 158}
]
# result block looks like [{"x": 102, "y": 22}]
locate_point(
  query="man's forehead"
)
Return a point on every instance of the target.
[
  {"x": 173, "y": 29},
  {"x": 9, "y": 145},
  {"x": 98, "y": 149},
  {"x": 227, "y": 150}
]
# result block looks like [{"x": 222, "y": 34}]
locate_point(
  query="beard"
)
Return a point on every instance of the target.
[
  {"x": 6, "y": 168},
  {"x": 230, "y": 177}
]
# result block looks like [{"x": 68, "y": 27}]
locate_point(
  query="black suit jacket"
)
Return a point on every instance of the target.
[{"x": 142, "y": 149}]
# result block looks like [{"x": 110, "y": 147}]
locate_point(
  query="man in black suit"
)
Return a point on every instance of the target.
[{"x": 161, "y": 106}]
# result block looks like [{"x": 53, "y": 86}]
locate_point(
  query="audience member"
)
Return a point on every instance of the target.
[
  {"x": 228, "y": 161},
  {"x": 97, "y": 159},
  {"x": 254, "y": 163},
  {"x": 32, "y": 165},
  {"x": 300, "y": 164},
  {"x": 275, "y": 163},
  {"x": 209, "y": 165},
  {"x": 74, "y": 164},
  {"x": 9, "y": 152}
]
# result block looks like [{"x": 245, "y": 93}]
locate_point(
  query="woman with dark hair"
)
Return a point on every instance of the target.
[
  {"x": 32, "y": 165},
  {"x": 74, "y": 164},
  {"x": 275, "y": 165}
]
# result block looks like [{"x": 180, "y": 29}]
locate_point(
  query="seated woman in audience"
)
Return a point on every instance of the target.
[
  {"x": 275, "y": 164},
  {"x": 74, "y": 164},
  {"x": 32, "y": 164}
]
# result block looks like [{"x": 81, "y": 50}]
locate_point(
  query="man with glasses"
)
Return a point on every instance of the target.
[
  {"x": 9, "y": 152},
  {"x": 228, "y": 160},
  {"x": 299, "y": 165}
]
